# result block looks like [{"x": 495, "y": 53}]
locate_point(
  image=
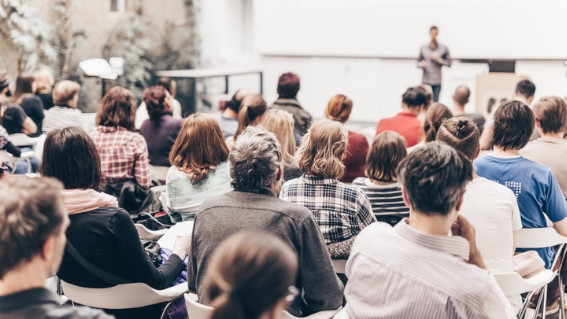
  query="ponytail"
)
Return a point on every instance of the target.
[
  {"x": 225, "y": 306},
  {"x": 252, "y": 107}
]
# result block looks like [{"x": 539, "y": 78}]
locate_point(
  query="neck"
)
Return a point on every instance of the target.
[
  {"x": 434, "y": 225},
  {"x": 522, "y": 99},
  {"x": 458, "y": 109},
  {"x": 229, "y": 113},
  {"x": 381, "y": 182},
  {"x": 553, "y": 136},
  {"x": 28, "y": 276},
  {"x": 499, "y": 151},
  {"x": 412, "y": 110}
]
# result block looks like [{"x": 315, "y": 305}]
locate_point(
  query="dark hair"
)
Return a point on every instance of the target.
[
  {"x": 428, "y": 91},
  {"x": 462, "y": 94},
  {"x": 253, "y": 106},
  {"x": 31, "y": 211},
  {"x": 235, "y": 102},
  {"x": 490, "y": 104},
  {"x": 551, "y": 113},
  {"x": 154, "y": 98},
  {"x": 434, "y": 177},
  {"x": 433, "y": 27},
  {"x": 166, "y": 83},
  {"x": 414, "y": 97},
  {"x": 288, "y": 86},
  {"x": 525, "y": 88},
  {"x": 24, "y": 86},
  {"x": 461, "y": 134},
  {"x": 117, "y": 109},
  {"x": 385, "y": 154},
  {"x": 70, "y": 155},
  {"x": 513, "y": 125},
  {"x": 249, "y": 273},
  {"x": 434, "y": 117}
]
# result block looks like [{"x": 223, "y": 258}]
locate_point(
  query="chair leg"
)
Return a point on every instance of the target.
[
  {"x": 561, "y": 301},
  {"x": 539, "y": 300},
  {"x": 544, "y": 302}
]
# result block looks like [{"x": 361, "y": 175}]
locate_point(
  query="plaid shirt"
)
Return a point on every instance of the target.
[
  {"x": 340, "y": 210},
  {"x": 123, "y": 155}
]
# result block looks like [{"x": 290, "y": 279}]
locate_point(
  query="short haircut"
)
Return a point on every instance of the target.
[
  {"x": 199, "y": 147},
  {"x": 251, "y": 108},
  {"x": 434, "y": 117},
  {"x": 414, "y": 97},
  {"x": 551, "y": 112},
  {"x": 43, "y": 81},
  {"x": 339, "y": 108},
  {"x": 385, "y": 154},
  {"x": 462, "y": 94},
  {"x": 31, "y": 210},
  {"x": 255, "y": 159},
  {"x": 513, "y": 125},
  {"x": 154, "y": 98},
  {"x": 461, "y": 134},
  {"x": 434, "y": 177},
  {"x": 322, "y": 149},
  {"x": 64, "y": 92},
  {"x": 117, "y": 109},
  {"x": 288, "y": 86},
  {"x": 70, "y": 155},
  {"x": 525, "y": 88}
]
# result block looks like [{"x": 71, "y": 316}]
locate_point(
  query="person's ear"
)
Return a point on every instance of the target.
[
  {"x": 48, "y": 249},
  {"x": 460, "y": 202},
  {"x": 405, "y": 197},
  {"x": 477, "y": 153},
  {"x": 280, "y": 172}
]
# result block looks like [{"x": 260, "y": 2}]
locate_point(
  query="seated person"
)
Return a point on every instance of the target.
[
  {"x": 255, "y": 168},
  {"x": 103, "y": 234},
  {"x": 288, "y": 86},
  {"x": 416, "y": 269},
  {"x": 251, "y": 111},
  {"x": 281, "y": 123},
  {"x": 460, "y": 100},
  {"x": 44, "y": 84},
  {"x": 228, "y": 119},
  {"x": 22, "y": 166},
  {"x": 251, "y": 275},
  {"x": 434, "y": 117},
  {"x": 31, "y": 104},
  {"x": 65, "y": 112},
  {"x": 12, "y": 116},
  {"x": 170, "y": 86},
  {"x": 32, "y": 242},
  {"x": 341, "y": 210},
  {"x": 381, "y": 186}
]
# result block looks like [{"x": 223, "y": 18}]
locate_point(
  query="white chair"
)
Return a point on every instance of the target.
[
  {"x": 21, "y": 139},
  {"x": 24, "y": 156},
  {"x": 342, "y": 314},
  {"x": 159, "y": 173},
  {"x": 339, "y": 265},
  {"x": 145, "y": 233}
]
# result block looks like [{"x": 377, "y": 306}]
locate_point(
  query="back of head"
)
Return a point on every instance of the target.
[
  {"x": 434, "y": 177},
  {"x": 70, "y": 155},
  {"x": 414, "y": 98},
  {"x": 249, "y": 274},
  {"x": 255, "y": 159},
  {"x": 387, "y": 151},
  {"x": 551, "y": 113},
  {"x": 252, "y": 107},
  {"x": 64, "y": 92},
  {"x": 288, "y": 86},
  {"x": 199, "y": 146},
  {"x": 43, "y": 81},
  {"x": 428, "y": 91},
  {"x": 434, "y": 117},
  {"x": 117, "y": 109},
  {"x": 339, "y": 108},
  {"x": 322, "y": 149},
  {"x": 513, "y": 125},
  {"x": 24, "y": 85},
  {"x": 166, "y": 83},
  {"x": 525, "y": 88},
  {"x": 461, "y": 134},
  {"x": 236, "y": 100},
  {"x": 155, "y": 99},
  {"x": 31, "y": 211},
  {"x": 280, "y": 123},
  {"x": 462, "y": 95}
]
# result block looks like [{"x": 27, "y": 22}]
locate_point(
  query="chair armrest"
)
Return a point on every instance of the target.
[{"x": 174, "y": 292}]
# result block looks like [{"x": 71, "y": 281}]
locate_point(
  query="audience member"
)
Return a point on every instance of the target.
[
  {"x": 30, "y": 103},
  {"x": 161, "y": 129},
  {"x": 288, "y": 86},
  {"x": 382, "y": 186},
  {"x": 255, "y": 167},
  {"x": 12, "y": 116},
  {"x": 421, "y": 268},
  {"x": 338, "y": 109},
  {"x": 228, "y": 119},
  {"x": 64, "y": 113},
  {"x": 460, "y": 100},
  {"x": 170, "y": 86},
  {"x": 341, "y": 210},
  {"x": 432, "y": 57},
  {"x": 199, "y": 166},
  {"x": 428, "y": 91},
  {"x": 44, "y": 83},
  {"x": 435, "y": 116},
  {"x": 32, "y": 241},
  {"x": 251, "y": 111},
  {"x": 281, "y": 124},
  {"x": 250, "y": 276},
  {"x": 406, "y": 122},
  {"x": 19, "y": 166}
]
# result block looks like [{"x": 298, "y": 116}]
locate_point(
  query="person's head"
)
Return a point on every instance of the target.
[
  {"x": 413, "y": 99},
  {"x": 434, "y": 117},
  {"x": 251, "y": 110},
  {"x": 5, "y": 81},
  {"x": 434, "y": 177},
  {"x": 255, "y": 160},
  {"x": 70, "y": 155},
  {"x": 250, "y": 276},
  {"x": 280, "y": 123},
  {"x": 32, "y": 226},
  {"x": 385, "y": 154},
  {"x": 525, "y": 90},
  {"x": 117, "y": 109},
  {"x": 551, "y": 114},
  {"x": 461, "y": 134},
  {"x": 66, "y": 93},
  {"x": 43, "y": 81},
  {"x": 513, "y": 126},
  {"x": 433, "y": 32},
  {"x": 490, "y": 104},
  {"x": 461, "y": 95},
  {"x": 199, "y": 146},
  {"x": 339, "y": 108},
  {"x": 24, "y": 85},
  {"x": 169, "y": 84},
  {"x": 323, "y": 148},
  {"x": 236, "y": 100},
  {"x": 157, "y": 100},
  {"x": 288, "y": 86},
  {"x": 428, "y": 91}
]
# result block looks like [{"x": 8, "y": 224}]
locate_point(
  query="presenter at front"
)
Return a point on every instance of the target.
[{"x": 432, "y": 57}]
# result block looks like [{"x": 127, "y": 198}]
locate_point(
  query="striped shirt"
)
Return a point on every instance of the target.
[
  {"x": 386, "y": 200},
  {"x": 401, "y": 273},
  {"x": 61, "y": 117}
]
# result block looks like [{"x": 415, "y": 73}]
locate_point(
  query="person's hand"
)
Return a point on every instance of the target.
[
  {"x": 422, "y": 64},
  {"x": 182, "y": 246},
  {"x": 462, "y": 227}
]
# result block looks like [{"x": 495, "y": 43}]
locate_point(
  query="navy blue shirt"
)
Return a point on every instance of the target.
[{"x": 160, "y": 138}]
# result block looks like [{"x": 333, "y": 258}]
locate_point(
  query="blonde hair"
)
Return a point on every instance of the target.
[
  {"x": 339, "y": 108},
  {"x": 322, "y": 149},
  {"x": 43, "y": 81},
  {"x": 65, "y": 91},
  {"x": 280, "y": 123}
]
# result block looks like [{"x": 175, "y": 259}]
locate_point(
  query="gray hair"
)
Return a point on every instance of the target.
[{"x": 255, "y": 159}]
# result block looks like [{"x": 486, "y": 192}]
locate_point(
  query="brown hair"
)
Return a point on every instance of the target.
[
  {"x": 199, "y": 147},
  {"x": 117, "y": 109},
  {"x": 551, "y": 112},
  {"x": 280, "y": 123},
  {"x": 248, "y": 275},
  {"x": 339, "y": 108},
  {"x": 43, "y": 81},
  {"x": 288, "y": 86},
  {"x": 461, "y": 134},
  {"x": 24, "y": 86},
  {"x": 252, "y": 107},
  {"x": 428, "y": 91},
  {"x": 154, "y": 98},
  {"x": 322, "y": 149},
  {"x": 385, "y": 154},
  {"x": 434, "y": 117},
  {"x": 65, "y": 91},
  {"x": 462, "y": 94},
  {"x": 513, "y": 125}
]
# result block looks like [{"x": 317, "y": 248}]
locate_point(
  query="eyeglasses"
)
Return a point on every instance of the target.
[{"x": 292, "y": 293}]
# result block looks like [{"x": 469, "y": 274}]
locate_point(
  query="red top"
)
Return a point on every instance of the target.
[
  {"x": 404, "y": 123},
  {"x": 357, "y": 148}
]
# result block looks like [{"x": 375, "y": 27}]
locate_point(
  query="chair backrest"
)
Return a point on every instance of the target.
[
  {"x": 512, "y": 284},
  {"x": 339, "y": 265},
  {"x": 538, "y": 238},
  {"x": 145, "y": 233},
  {"x": 21, "y": 139},
  {"x": 195, "y": 310}
]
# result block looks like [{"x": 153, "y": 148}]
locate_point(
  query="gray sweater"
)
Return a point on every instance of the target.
[{"x": 221, "y": 216}]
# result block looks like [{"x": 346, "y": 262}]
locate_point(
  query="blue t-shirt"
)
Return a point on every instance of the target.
[{"x": 536, "y": 190}]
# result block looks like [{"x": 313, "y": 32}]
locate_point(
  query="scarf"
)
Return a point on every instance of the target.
[{"x": 84, "y": 200}]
